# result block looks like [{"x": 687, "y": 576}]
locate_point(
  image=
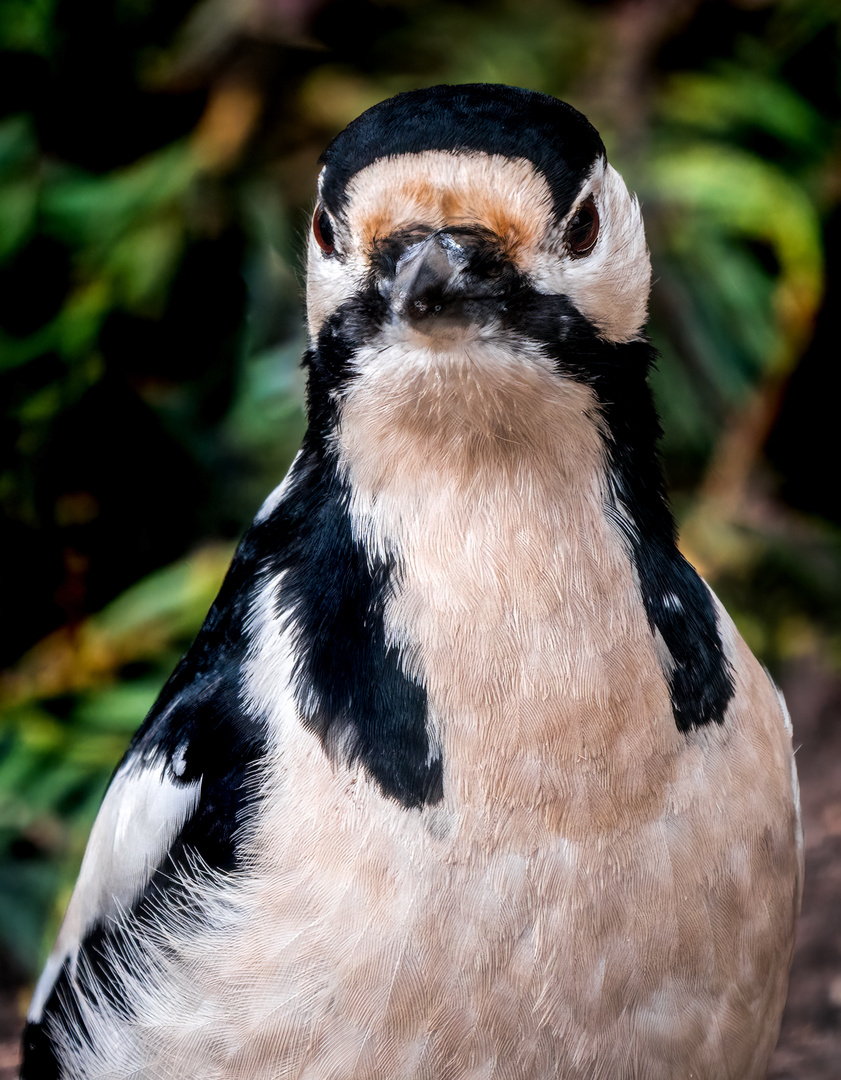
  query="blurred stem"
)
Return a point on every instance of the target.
[
  {"x": 230, "y": 118},
  {"x": 736, "y": 458},
  {"x": 620, "y": 80}
]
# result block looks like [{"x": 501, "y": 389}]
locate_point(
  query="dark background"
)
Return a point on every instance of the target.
[{"x": 157, "y": 163}]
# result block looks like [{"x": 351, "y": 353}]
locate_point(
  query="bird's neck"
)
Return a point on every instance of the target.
[{"x": 515, "y": 601}]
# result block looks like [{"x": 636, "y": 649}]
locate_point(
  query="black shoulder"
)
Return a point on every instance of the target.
[{"x": 201, "y": 724}]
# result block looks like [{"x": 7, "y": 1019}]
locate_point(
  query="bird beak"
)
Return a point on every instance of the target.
[{"x": 453, "y": 277}]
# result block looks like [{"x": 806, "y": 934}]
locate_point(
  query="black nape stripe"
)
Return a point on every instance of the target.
[
  {"x": 351, "y": 687},
  {"x": 679, "y": 605}
]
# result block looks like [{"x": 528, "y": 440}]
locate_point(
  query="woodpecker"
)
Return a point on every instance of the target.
[{"x": 468, "y": 774}]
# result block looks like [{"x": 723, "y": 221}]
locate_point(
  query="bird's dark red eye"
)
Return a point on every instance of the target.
[
  {"x": 322, "y": 230},
  {"x": 583, "y": 231}
]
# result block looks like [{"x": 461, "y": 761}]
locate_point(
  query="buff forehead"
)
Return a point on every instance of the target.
[{"x": 438, "y": 189}]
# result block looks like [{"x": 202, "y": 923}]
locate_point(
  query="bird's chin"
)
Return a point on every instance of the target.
[{"x": 462, "y": 320}]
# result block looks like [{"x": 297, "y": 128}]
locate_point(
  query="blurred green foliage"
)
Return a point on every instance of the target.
[{"x": 156, "y": 168}]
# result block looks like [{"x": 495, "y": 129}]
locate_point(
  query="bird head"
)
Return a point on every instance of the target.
[{"x": 461, "y": 213}]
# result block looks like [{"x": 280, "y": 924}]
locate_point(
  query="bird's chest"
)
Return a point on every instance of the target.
[
  {"x": 575, "y": 905},
  {"x": 547, "y": 703},
  {"x": 433, "y": 944},
  {"x": 551, "y": 916}
]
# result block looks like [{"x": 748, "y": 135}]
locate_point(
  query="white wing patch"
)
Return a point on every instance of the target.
[{"x": 142, "y": 813}]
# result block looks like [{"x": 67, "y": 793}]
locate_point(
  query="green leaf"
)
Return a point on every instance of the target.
[
  {"x": 97, "y": 210},
  {"x": 117, "y": 709},
  {"x": 18, "y": 205},
  {"x": 27, "y": 25},
  {"x": 18, "y": 183},
  {"x": 733, "y": 98}
]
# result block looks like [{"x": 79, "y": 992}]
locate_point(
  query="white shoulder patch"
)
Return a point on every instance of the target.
[
  {"x": 273, "y": 500},
  {"x": 268, "y": 681},
  {"x": 142, "y": 813}
]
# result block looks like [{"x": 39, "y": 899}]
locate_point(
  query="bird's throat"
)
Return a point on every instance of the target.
[{"x": 514, "y": 600}]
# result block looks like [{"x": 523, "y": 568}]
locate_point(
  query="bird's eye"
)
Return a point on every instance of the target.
[
  {"x": 322, "y": 230},
  {"x": 583, "y": 231}
]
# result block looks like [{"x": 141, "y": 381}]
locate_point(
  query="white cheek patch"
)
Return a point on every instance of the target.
[
  {"x": 330, "y": 283},
  {"x": 610, "y": 286},
  {"x": 142, "y": 813}
]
